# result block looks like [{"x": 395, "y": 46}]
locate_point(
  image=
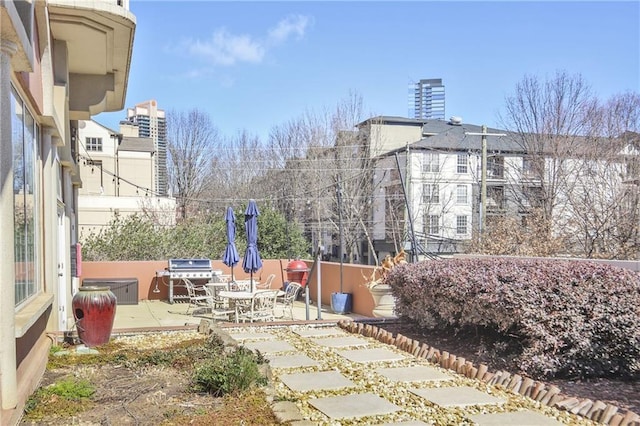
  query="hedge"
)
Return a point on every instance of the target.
[{"x": 572, "y": 319}]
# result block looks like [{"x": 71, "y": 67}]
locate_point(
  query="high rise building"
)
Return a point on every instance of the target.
[
  {"x": 151, "y": 123},
  {"x": 426, "y": 99}
]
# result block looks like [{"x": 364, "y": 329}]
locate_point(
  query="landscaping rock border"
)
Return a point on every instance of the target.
[{"x": 550, "y": 395}]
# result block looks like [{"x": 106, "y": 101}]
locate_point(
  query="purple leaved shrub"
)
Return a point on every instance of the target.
[{"x": 571, "y": 319}]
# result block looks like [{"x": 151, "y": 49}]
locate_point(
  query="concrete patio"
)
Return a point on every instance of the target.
[{"x": 152, "y": 314}]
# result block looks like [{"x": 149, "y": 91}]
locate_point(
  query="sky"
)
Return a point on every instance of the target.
[{"x": 256, "y": 65}]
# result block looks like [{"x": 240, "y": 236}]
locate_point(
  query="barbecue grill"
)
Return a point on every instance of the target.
[{"x": 191, "y": 269}]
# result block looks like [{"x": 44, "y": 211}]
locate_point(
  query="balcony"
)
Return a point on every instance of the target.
[{"x": 98, "y": 39}]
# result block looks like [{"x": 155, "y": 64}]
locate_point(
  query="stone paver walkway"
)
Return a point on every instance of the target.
[{"x": 336, "y": 378}]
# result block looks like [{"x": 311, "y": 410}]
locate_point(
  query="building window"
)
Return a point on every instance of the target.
[
  {"x": 461, "y": 225},
  {"x": 430, "y": 162},
  {"x": 462, "y": 163},
  {"x": 430, "y": 193},
  {"x": 93, "y": 144},
  {"x": 433, "y": 224},
  {"x": 533, "y": 167},
  {"x": 26, "y": 206},
  {"x": 461, "y": 194}
]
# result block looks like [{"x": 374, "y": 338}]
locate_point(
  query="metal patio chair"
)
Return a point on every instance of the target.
[
  {"x": 267, "y": 283},
  {"x": 198, "y": 297},
  {"x": 289, "y": 297},
  {"x": 261, "y": 308},
  {"x": 219, "y": 307}
]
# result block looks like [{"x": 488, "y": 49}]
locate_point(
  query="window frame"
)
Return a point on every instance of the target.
[
  {"x": 431, "y": 196},
  {"x": 430, "y": 162},
  {"x": 460, "y": 226},
  {"x": 430, "y": 227},
  {"x": 93, "y": 144},
  {"x": 462, "y": 165},
  {"x": 25, "y": 137},
  {"x": 459, "y": 200}
]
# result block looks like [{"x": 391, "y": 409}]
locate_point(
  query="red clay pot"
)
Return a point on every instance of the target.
[{"x": 94, "y": 309}]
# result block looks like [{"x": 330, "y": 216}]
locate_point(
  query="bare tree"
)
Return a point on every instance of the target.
[
  {"x": 549, "y": 120},
  {"x": 191, "y": 142},
  {"x": 353, "y": 176},
  {"x": 604, "y": 205},
  {"x": 318, "y": 150},
  {"x": 575, "y": 167}
]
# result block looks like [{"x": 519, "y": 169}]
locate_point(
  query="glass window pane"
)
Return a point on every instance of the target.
[
  {"x": 462, "y": 163},
  {"x": 24, "y": 133}
]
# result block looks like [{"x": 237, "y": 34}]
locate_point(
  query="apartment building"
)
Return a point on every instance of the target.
[
  {"x": 429, "y": 183},
  {"x": 60, "y": 62},
  {"x": 427, "y": 100},
  {"x": 151, "y": 123},
  {"x": 118, "y": 177}
]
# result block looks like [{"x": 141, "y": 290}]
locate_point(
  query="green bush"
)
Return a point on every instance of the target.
[
  {"x": 570, "y": 318},
  {"x": 230, "y": 373},
  {"x": 136, "y": 237}
]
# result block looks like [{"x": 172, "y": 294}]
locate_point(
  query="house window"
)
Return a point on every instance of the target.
[
  {"x": 495, "y": 167},
  {"x": 433, "y": 224},
  {"x": 26, "y": 206},
  {"x": 495, "y": 197},
  {"x": 461, "y": 225},
  {"x": 430, "y": 193},
  {"x": 430, "y": 162},
  {"x": 462, "y": 163},
  {"x": 533, "y": 167},
  {"x": 533, "y": 196},
  {"x": 93, "y": 144},
  {"x": 461, "y": 194}
]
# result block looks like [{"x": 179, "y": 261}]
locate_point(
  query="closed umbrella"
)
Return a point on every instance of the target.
[
  {"x": 230, "y": 256},
  {"x": 251, "y": 262}
]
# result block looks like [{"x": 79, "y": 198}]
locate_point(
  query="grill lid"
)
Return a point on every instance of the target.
[{"x": 189, "y": 265}]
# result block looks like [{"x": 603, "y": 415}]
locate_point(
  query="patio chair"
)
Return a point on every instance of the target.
[
  {"x": 261, "y": 308},
  {"x": 198, "y": 297},
  {"x": 218, "y": 306},
  {"x": 289, "y": 297},
  {"x": 240, "y": 285},
  {"x": 267, "y": 283}
]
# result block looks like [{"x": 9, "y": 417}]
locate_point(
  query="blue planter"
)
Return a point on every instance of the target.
[{"x": 341, "y": 303}]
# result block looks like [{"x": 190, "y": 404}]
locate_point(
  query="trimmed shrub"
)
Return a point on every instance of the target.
[{"x": 571, "y": 318}]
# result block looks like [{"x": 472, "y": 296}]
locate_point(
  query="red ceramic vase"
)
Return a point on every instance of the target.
[{"x": 94, "y": 309}]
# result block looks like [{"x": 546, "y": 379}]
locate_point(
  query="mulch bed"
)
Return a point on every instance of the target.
[{"x": 481, "y": 349}]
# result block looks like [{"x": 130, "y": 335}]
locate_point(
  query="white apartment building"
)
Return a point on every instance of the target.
[{"x": 440, "y": 201}]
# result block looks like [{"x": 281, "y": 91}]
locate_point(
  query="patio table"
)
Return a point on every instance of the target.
[{"x": 242, "y": 296}]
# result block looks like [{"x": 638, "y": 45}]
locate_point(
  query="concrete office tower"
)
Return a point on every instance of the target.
[
  {"x": 152, "y": 123},
  {"x": 426, "y": 99}
]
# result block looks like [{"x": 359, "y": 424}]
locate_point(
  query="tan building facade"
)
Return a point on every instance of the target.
[
  {"x": 118, "y": 177},
  {"x": 61, "y": 61}
]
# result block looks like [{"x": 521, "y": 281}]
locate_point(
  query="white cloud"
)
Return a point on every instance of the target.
[
  {"x": 227, "y": 49},
  {"x": 293, "y": 24}
]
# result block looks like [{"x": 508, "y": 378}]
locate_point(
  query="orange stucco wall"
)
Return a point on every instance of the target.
[
  {"x": 353, "y": 278},
  {"x": 145, "y": 272}
]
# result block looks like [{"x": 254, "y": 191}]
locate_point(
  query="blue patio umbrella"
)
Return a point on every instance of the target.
[
  {"x": 230, "y": 256},
  {"x": 251, "y": 262}
]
